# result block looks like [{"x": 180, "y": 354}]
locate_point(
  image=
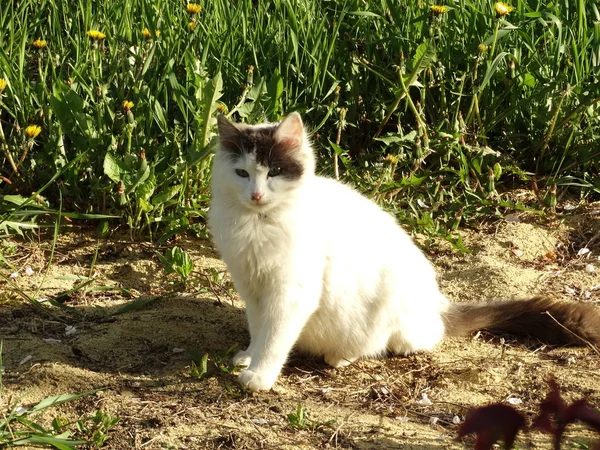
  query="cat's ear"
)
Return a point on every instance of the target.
[
  {"x": 230, "y": 137},
  {"x": 290, "y": 131}
]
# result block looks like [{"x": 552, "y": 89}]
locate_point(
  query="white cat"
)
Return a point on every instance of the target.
[{"x": 323, "y": 269}]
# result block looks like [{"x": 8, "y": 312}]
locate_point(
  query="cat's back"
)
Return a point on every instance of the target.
[
  {"x": 340, "y": 205},
  {"x": 354, "y": 227}
]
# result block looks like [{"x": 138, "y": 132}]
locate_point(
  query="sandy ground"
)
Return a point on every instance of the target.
[{"x": 142, "y": 358}]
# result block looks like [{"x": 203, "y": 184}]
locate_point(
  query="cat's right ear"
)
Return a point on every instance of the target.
[{"x": 230, "y": 137}]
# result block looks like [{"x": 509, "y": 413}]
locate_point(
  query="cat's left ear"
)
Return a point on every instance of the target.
[
  {"x": 290, "y": 131},
  {"x": 230, "y": 136}
]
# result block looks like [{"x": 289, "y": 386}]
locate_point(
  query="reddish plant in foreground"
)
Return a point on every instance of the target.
[{"x": 497, "y": 421}]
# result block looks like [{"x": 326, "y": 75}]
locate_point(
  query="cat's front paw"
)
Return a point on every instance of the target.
[
  {"x": 254, "y": 381},
  {"x": 242, "y": 358}
]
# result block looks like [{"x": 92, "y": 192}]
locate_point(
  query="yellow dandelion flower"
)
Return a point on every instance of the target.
[
  {"x": 392, "y": 159},
  {"x": 157, "y": 33},
  {"x": 502, "y": 9},
  {"x": 32, "y": 131},
  {"x": 146, "y": 33},
  {"x": 438, "y": 10},
  {"x": 127, "y": 105},
  {"x": 222, "y": 108},
  {"x": 194, "y": 8},
  {"x": 3, "y": 84},
  {"x": 482, "y": 48},
  {"x": 96, "y": 35},
  {"x": 192, "y": 26},
  {"x": 40, "y": 44}
]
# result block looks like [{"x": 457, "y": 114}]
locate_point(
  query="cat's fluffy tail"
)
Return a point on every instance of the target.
[{"x": 553, "y": 322}]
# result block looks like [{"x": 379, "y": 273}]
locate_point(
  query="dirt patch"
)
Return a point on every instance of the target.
[{"x": 142, "y": 358}]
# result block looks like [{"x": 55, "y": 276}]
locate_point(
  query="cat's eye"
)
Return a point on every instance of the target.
[
  {"x": 242, "y": 173},
  {"x": 274, "y": 172}
]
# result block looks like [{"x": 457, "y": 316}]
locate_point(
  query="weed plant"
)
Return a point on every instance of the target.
[{"x": 432, "y": 109}]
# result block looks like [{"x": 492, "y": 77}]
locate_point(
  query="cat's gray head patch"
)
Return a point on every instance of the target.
[{"x": 262, "y": 143}]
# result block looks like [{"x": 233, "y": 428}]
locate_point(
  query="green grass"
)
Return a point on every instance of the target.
[{"x": 406, "y": 102}]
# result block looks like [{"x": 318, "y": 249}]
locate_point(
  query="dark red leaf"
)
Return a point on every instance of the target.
[
  {"x": 555, "y": 415},
  {"x": 492, "y": 423},
  {"x": 581, "y": 410}
]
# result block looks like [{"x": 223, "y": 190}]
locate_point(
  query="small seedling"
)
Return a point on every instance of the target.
[
  {"x": 298, "y": 418},
  {"x": 300, "y": 421},
  {"x": 199, "y": 370},
  {"x": 18, "y": 426},
  {"x": 219, "y": 359},
  {"x": 176, "y": 260}
]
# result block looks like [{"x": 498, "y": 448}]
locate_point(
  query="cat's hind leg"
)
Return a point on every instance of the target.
[
  {"x": 421, "y": 335},
  {"x": 338, "y": 362}
]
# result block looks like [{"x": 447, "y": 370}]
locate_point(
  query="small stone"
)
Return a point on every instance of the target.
[{"x": 424, "y": 401}]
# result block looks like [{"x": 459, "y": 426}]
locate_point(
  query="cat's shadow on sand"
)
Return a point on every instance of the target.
[{"x": 156, "y": 339}]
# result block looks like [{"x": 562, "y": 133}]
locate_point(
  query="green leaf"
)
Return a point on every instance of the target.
[
  {"x": 501, "y": 33},
  {"x": 142, "y": 175},
  {"x": 275, "y": 90},
  {"x": 114, "y": 168},
  {"x": 166, "y": 195},
  {"x": 212, "y": 93},
  {"x": 159, "y": 116},
  {"x": 492, "y": 70},
  {"x": 364, "y": 14},
  {"x": 423, "y": 57},
  {"x": 56, "y": 442},
  {"x": 394, "y": 138},
  {"x": 136, "y": 304},
  {"x": 58, "y": 399}
]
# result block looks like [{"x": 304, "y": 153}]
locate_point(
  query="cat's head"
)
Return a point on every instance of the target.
[{"x": 262, "y": 166}]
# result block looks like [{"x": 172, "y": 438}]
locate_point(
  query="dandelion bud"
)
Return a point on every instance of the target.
[
  {"x": 550, "y": 198},
  {"x": 121, "y": 198},
  {"x": 490, "y": 185},
  {"x": 143, "y": 160},
  {"x": 250, "y": 76},
  {"x": 512, "y": 70}
]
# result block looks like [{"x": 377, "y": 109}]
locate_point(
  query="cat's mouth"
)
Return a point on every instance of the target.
[{"x": 258, "y": 206}]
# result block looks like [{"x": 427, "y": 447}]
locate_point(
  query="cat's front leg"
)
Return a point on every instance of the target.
[
  {"x": 244, "y": 357},
  {"x": 283, "y": 318}
]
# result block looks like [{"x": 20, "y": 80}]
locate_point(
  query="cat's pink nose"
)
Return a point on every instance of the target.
[{"x": 256, "y": 196}]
